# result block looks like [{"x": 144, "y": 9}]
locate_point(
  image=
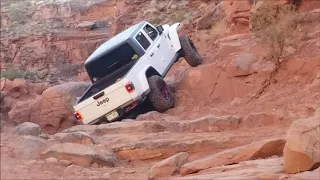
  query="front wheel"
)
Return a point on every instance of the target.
[
  {"x": 189, "y": 51},
  {"x": 160, "y": 96}
]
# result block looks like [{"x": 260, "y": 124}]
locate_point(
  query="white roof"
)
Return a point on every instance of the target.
[{"x": 114, "y": 41}]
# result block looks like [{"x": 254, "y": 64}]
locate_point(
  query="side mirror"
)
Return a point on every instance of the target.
[{"x": 160, "y": 29}]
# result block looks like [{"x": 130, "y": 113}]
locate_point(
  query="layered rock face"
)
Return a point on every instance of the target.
[{"x": 238, "y": 13}]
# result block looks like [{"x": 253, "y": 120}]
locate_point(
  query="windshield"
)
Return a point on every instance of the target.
[{"x": 111, "y": 62}]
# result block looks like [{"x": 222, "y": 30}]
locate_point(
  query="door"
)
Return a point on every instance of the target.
[
  {"x": 150, "y": 51},
  {"x": 158, "y": 55}
]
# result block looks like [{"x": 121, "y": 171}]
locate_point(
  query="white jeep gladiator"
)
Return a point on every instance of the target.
[{"x": 129, "y": 68}]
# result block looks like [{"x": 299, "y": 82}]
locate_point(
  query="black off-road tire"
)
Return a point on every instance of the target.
[
  {"x": 189, "y": 51},
  {"x": 157, "y": 96}
]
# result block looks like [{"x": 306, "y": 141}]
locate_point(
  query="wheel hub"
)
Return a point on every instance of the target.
[{"x": 163, "y": 89}]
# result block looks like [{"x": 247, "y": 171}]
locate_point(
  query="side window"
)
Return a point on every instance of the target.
[
  {"x": 152, "y": 33},
  {"x": 143, "y": 40}
]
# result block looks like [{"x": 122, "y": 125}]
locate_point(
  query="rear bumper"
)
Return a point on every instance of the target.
[{"x": 122, "y": 111}]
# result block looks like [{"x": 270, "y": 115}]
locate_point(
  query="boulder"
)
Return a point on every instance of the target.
[
  {"x": 54, "y": 109},
  {"x": 21, "y": 111},
  {"x": 301, "y": 152},
  {"x": 17, "y": 85},
  {"x": 20, "y": 86},
  {"x": 74, "y": 137},
  {"x": 79, "y": 154},
  {"x": 169, "y": 166},
  {"x": 262, "y": 149},
  {"x": 27, "y": 128},
  {"x": 27, "y": 147}
]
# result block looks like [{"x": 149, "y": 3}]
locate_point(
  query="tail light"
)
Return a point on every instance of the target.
[
  {"x": 129, "y": 87},
  {"x": 78, "y": 116}
]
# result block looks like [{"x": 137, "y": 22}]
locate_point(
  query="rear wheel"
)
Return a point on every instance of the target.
[
  {"x": 189, "y": 51},
  {"x": 160, "y": 96}
]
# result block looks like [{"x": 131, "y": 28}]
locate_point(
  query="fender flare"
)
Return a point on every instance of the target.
[
  {"x": 173, "y": 33},
  {"x": 143, "y": 79},
  {"x": 143, "y": 76}
]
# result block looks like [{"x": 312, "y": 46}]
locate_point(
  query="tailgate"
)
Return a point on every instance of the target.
[{"x": 103, "y": 102}]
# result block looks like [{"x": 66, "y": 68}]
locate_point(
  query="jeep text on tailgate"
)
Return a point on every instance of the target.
[{"x": 129, "y": 69}]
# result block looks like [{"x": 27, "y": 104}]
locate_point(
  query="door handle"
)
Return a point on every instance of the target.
[
  {"x": 158, "y": 46},
  {"x": 152, "y": 54},
  {"x": 98, "y": 95}
]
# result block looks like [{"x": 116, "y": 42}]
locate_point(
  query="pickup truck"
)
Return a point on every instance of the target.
[{"x": 129, "y": 68}]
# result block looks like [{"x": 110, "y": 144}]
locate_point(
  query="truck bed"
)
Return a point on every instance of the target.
[{"x": 106, "y": 82}]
